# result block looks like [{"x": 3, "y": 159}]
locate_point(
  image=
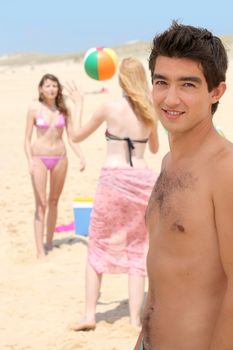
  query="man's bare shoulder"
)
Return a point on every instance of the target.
[{"x": 222, "y": 163}]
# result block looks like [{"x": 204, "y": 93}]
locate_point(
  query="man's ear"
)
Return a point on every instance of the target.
[{"x": 217, "y": 92}]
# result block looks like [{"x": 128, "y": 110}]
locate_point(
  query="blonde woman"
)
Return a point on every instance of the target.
[
  {"x": 118, "y": 239},
  {"x": 47, "y": 156}
]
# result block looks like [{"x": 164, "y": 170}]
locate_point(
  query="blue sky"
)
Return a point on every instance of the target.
[{"x": 64, "y": 26}]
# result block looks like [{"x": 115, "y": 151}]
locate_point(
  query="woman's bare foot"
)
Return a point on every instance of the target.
[
  {"x": 41, "y": 256},
  {"x": 83, "y": 325},
  {"x": 48, "y": 247}
]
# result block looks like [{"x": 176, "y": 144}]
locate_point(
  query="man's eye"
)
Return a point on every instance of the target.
[
  {"x": 189, "y": 84},
  {"x": 159, "y": 82}
]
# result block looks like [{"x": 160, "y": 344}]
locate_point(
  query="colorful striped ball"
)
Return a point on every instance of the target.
[{"x": 100, "y": 63}]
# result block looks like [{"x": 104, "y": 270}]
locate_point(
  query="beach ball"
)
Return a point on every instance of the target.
[{"x": 100, "y": 63}]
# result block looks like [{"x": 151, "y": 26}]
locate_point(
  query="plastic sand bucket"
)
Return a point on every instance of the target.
[{"x": 82, "y": 211}]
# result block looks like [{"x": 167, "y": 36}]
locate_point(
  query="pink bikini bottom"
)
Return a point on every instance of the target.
[{"x": 50, "y": 161}]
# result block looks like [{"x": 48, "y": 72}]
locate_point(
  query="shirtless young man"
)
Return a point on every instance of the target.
[{"x": 189, "y": 216}]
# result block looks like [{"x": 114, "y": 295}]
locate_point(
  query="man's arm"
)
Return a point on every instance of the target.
[
  {"x": 222, "y": 338},
  {"x": 145, "y": 313}
]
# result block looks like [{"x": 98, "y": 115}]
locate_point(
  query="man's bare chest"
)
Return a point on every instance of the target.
[{"x": 180, "y": 201}]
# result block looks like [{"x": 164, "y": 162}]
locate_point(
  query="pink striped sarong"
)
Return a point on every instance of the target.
[{"x": 118, "y": 238}]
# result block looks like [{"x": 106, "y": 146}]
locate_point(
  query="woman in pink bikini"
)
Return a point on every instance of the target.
[
  {"x": 118, "y": 239},
  {"x": 47, "y": 155}
]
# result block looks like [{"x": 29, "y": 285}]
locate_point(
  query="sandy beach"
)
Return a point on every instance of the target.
[{"x": 40, "y": 299}]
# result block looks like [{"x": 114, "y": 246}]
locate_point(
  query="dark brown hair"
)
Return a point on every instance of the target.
[
  {"x": 59, "y": 101},
  {"x": 197, "y": 44}
]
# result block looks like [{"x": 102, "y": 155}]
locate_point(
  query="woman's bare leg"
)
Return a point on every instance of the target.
[
  {"x": 39, "y": 180},
  {"x": 93, "y": 284},
  {"x": 57, "y": 180},
  {"x": 136, "y": 298}
]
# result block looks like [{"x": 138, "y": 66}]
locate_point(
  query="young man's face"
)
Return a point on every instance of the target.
[{"x": 180, "y": 94}]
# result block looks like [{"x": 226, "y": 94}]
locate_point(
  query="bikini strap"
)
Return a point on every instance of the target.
[
  {"x": 40, "y": 114},
  {"x": 130, "y": 148},
  {"x": 127, "y": 139},
  {"x": 117, "y": 138}
]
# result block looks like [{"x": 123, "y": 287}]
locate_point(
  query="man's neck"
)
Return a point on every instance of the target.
[{"x": 186, "y": 144}]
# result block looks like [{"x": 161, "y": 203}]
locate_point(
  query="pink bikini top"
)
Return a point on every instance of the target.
[{"x": 42, "y": 124}]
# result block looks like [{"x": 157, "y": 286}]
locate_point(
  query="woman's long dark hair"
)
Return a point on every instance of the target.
[{"x": 59, "y": 101}]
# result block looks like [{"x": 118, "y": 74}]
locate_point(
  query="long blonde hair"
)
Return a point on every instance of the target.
[{"x": 133, "y": 81}]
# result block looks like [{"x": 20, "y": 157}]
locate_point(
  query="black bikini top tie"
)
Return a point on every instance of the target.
[{"x": 130, "y": 143}]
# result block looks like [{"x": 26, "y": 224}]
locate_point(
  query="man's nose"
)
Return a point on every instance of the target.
[{"x": 172, "y": 97}]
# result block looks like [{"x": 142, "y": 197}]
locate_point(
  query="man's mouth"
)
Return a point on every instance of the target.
[{"x": 171, "y": 114}]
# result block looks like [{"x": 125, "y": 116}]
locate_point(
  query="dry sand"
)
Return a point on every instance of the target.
[{"x": 40, "y": 299}]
